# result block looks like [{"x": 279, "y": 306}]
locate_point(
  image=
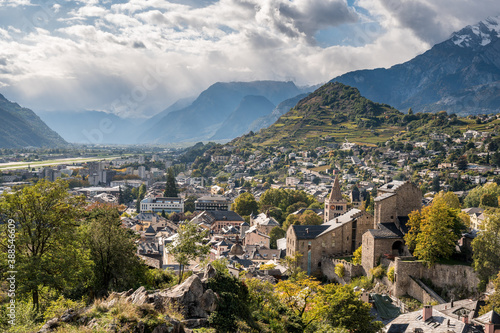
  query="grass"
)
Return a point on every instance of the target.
[{"x": 24, "y": 165}]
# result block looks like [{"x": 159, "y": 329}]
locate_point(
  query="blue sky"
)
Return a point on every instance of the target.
[{"x": 95, "y": 55}]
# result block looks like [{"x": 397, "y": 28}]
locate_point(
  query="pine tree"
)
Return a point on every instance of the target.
[{"x": 171, "y": 187}]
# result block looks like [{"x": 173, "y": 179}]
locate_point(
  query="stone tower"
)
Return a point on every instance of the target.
[{"x": 335, "y": 205}]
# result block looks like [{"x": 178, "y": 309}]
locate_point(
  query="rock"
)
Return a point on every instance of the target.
[
  {"x": 139, "y": 296},
  {"x": 68, "y": 316},
  {"x": 195, "y": 322},
  {"x": 208, "y": 301},
  {"x": 187, "y": 297},
  {"x": 49, "y": 325},
  {"x": 209, "y": 272},
  {"x": 176, "y": 326},
  {"x": 139, "y": 328},
  {"x": 93, "y": 323}
]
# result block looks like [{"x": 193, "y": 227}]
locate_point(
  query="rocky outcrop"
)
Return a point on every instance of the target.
[{"x": 192, "y": 299}]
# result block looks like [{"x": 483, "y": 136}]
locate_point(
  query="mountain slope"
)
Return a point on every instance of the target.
[
  {"x": 460, "y": 75},
  {"x": 207, "y": 113},
  {"x": 21, "y": 127},
  {"x": 94, "y": 127},
  {"x": 333, "y": 112},
  {"x": 280, "y": 110},
  {"x": 250, "y": 108}
]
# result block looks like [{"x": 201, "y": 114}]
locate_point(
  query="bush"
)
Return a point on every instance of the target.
[
  {"x": 356, "y": 260},
  {"x": 58, "y": 307},
  {"x": 378, "y": 272},
  {"x": 340, "y": 270},
  {"x": 390, "y": 274}
]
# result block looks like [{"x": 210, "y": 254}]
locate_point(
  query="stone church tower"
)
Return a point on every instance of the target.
[{"x": 335, "y": 204}]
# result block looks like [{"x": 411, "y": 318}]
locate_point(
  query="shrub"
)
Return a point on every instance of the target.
[
  {"x": 340, "y": 270},
  {"x": 390, "y": 274},
  {"x": 378, "y": 272},
  {"x": 356, "y": 260},
  {"x": 58, "y": 307}
]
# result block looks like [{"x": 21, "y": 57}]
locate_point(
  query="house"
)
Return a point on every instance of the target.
[
  {"x": 263, "y": 223},
  {"x": 158, "y": 205},
  {"x": 212, "y": 202},
  {"x": 340, "y": 236},
  {"x": 255, "y": 237},
  {"x": 217, "y": 220}
]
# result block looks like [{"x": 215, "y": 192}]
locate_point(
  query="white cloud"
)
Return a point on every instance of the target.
[{"x": 93, "y": 53}]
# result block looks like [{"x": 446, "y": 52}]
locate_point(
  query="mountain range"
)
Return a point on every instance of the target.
[
  {"x": 20, "y": 127},
  {"x": 460, "y": 75}
]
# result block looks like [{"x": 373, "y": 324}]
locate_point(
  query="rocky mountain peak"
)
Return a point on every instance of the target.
[{"x": 478, "y": 35}]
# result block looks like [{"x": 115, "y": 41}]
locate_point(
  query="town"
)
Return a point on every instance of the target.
[{"x": 342, "y": 212}]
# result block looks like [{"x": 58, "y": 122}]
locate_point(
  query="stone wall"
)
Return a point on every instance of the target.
[
  {"x": 350, "y": 270},
  {"x": 417, "y": 292},
  {"x": 456, "y": 278}
]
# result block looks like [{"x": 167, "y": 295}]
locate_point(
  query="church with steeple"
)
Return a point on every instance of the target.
[{"x": 335, "y": 204}]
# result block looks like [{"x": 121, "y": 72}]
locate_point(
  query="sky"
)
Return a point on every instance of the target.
[{"x": 134, "y": 58}]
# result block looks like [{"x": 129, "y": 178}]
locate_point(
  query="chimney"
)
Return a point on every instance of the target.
[
  {"x": 489, "y": 328},
  {"x": 451, "y": 303},
  {"x": 427, "y": 313},
  {"x": 465, "y": 319},
  {"x": 307, "y": 230}
]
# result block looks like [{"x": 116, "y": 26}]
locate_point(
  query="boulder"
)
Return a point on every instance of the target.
[
  {"x": 186, "y": 298},
  {"x": 208, "y": 301},
  {"x": 49, "y": 325}
]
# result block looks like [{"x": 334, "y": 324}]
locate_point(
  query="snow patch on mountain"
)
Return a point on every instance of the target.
[{"x": 480, "y": 34}]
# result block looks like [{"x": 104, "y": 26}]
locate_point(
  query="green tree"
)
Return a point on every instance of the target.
[
  {"x": 488, "y": 200},
  {"x": 493, "y": 302},
  {"x": 188, "y": 246},
  {"x": 310, "y": 218},
  {"x": 245, "y": 204},
  {"x": 171, "y": 190},
  {"x": 112, "y": 251},
  {"x": 486, "y": 247},
  {"x": 344, "y": 309},
  {"x": 189, "y": 205},
  {"x": 473, "y": 199},
  {"x": 450, "y": 199},
  {"x": 141, "y": 193},
  {"x": 462, "y": 163},
  {"x": 275, "y": 234},
  {"x": 434, "y": 232},
  {"x": 290, "y": 220},
  {"x": 47, "y": 244}
]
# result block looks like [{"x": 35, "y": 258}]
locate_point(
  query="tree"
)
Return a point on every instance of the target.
[
  {"x": 112, "y": 251},
  {"x": 488, "y": 200},
  {"x": 47, "y": 251},
  {"x": 245, "y": 204},
  {"x": 436, "y": 186},
  {"x": 462, "y": 163},
  {"x": 486, "y": 247},
  {"x": 301, "y": 296},
  {"x": 434, "y": 232},
  {"x": 290, "y": 220},
  {"x": 188, "y": 245},
  {"x": 450, "y": 199},
  {"x": 493, "y": 302},
  {"x": 344, "y": 309},
  {"x": 189, "y": 205},
  {"x": 171, "y": 190},
  {"x": 141, "y": 193},
  {"x": 310, "y": 218},
  {"x": 473, "y": 199},
  {"x": 275, "y": 234},
  {"x": 356, "y": 259}
]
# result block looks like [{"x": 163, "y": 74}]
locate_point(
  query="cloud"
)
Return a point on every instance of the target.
[{"x": 138, "y": 56}]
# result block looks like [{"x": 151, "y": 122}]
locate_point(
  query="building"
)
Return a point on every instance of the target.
[
  {"x": 394, "y": 202},
  {"x": 335, "y": 204},
  {"x": 216, "y": 220},
  {"x": 263, "y": 223},
  {"x": 339, "y": 236},
  {"x": 219, "y": 159},
  {"x": 212, "y": 202},
  {"x": 157, "y": 205}
]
